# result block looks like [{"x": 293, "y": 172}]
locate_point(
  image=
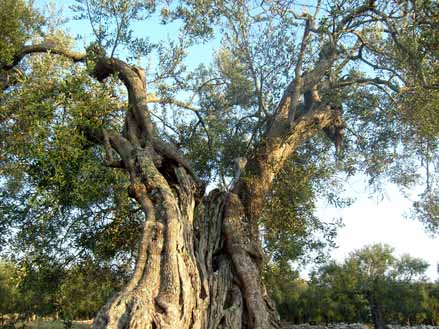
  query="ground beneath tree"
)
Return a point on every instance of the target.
[{"x": 286, "y": 325}]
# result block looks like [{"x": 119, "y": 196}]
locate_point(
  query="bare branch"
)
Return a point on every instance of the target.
[
  {"x": 298, "y": 72},
  {"x": 184, "y": 105},
  {"x": 170, "y": 101},
  {"x": 392, "y": 30},
  {"x": 357, "y": 12},
  {"x": 360, "y": 56},
  {"x": 165, "y": 124},
  {"x": 365, "y": 81}
]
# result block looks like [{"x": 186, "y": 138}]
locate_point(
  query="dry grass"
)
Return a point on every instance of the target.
[{"x": 41, "y": 324}]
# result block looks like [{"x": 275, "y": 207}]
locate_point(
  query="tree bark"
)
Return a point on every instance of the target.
[
  {"x": 376, "y": 310},
  {"x": 190, "y": 271},
  {"x": 196, "y": 267}
]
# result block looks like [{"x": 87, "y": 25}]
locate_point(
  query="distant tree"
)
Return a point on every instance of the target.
[
  {"x": 286, "y": 288},
  {"x": 339, "y": 286},
  {"x": 387, "y": 283},
  {"x": 432, "y": 303},
  {"x": 37, "y": 284},
  {"x": 408, "y": 305},
  {"x": 85, "y": 288},
  {"x": 9, "y": 298}
]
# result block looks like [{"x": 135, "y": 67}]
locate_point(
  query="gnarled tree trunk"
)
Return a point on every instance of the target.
[
  {"x": 199, "y": 263},
  {"x": 193, "y": 269}
]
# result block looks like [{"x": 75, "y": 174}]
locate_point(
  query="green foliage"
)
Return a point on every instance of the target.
[
  {"x": 199, "y": 16},
  {"x": 419, "y": 106},
  {"x": 37, "y": 284},
  {"x": 341, "y": 293},
  {"x": 49, "y": 289},
  {"x": 291, "y": 231},
  {"x": 414, "y": 56},
  {"x": 85, "y": 288},
  {"x": 28, "y": 289},
  {"x": 373, "y": 275},
  {"x": 53, "y": 188},
  {"x": 111, "y": 23},
  {"x": 8, "y": 288},
  {"x": 287, "y": 290},
  {"x": 18, "y": 23},
  {"x": 239, "y": 90}
]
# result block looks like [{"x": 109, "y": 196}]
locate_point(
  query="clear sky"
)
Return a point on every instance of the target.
[{"x": 370, "y": 220}]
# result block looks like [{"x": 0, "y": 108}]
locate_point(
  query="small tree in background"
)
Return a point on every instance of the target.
[{"x": 388, "y": 284}]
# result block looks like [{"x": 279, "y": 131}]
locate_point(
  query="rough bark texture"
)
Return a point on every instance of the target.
[
  {"x": 165, "y": 290},
  {"x": 193, "y": 269}
]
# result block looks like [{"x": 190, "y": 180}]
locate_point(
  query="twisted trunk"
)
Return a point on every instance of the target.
[{"x": 192, "y": 271}]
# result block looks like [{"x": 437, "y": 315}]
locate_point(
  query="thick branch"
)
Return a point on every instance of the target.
[
  {"x": 298, "y": 70},
  {"x": 279, "y": 127},
  {"x": 283, "y": 136},
  {"x": 132, "y": 77},
  {"x": 273, "y": 152},
  {"x": 298, "y": 73},
  {"x": 44, "y": 48},
  {"x": 108, "y": 138},
  {"x": 168, "y": 151},
  {"x": 327, "y": 56},
  {"x": 134, "y": 80}
]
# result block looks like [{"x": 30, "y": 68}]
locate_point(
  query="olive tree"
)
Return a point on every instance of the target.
[{"x": 286, "y": 83}]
